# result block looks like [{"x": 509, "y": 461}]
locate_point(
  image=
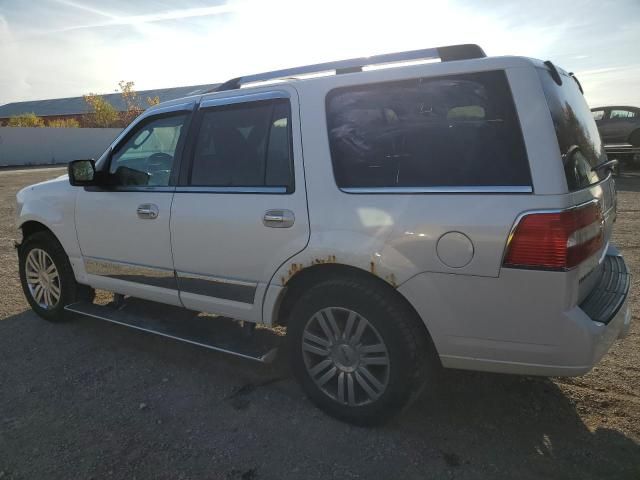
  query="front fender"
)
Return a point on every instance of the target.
[{"x": 51, "y": 204}]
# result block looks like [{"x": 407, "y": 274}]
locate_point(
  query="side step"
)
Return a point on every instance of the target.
[{"x": 216, "y": 333}]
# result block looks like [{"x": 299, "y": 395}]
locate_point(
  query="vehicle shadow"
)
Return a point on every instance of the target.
[
  {"x": 522, "y": 424},
  {"x": 91, "y": 399}
]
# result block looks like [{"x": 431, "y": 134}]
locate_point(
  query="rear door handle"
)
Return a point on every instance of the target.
[
  {"x": 278, "y": 218},
  {"x": 148, "y": 210}
]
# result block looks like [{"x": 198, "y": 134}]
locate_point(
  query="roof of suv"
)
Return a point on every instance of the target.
[{"x": 472, "y": 55}]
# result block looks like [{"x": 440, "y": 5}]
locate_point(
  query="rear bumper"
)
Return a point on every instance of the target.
[{"x": 517, "y": 323}]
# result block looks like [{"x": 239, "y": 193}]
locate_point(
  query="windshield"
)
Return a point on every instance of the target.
[{"x": 576, "y": 129}]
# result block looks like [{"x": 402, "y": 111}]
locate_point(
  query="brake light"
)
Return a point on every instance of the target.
[{"x": 556, "y": 241}]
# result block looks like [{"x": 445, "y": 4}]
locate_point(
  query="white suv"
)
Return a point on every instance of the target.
[{"x": 396, "y": 219}]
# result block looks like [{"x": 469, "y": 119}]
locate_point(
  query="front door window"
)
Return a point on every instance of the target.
[{"x": 146, "y": 158}]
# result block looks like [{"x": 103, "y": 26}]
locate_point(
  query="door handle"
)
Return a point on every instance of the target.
[
  {"x": 148, "y": 210},
  {"x": 278, "y": 218}
]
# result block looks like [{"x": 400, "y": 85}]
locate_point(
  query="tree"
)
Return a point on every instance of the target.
[
  {"x": 63, "y": 123},
  {"x": 151, "y": 101},
  {"x": 131, "y": 101},
  {"x": 130, "y": 98},
  {"x": 102, "y": 114},
  {"x": 26, "y": 120}
]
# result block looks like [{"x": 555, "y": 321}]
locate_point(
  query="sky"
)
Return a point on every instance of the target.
[{"x": 66, "y": 48}]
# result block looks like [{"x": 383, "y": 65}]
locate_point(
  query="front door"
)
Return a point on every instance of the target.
[
  {"x": 240, "y": 210},
  {"x": 123, "y": 229}
]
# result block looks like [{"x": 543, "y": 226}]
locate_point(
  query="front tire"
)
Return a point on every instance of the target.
[
  {"x": 358, "y": 350},
  {"x": 47, "y": 278}
]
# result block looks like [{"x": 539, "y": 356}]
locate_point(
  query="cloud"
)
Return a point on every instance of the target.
[
  {"x": 68, "y": 47},
  {"x": 115, "y": 21}
]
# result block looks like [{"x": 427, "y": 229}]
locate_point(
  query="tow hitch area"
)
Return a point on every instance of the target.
[{"x": 216, "y": 333}]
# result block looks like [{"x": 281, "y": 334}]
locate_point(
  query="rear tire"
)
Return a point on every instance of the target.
[
  {"x": 359, "y": 352},
  {"x": 47, "y": 278}
]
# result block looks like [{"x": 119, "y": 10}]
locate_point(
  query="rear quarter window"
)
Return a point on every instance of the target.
[{"x": 450, "y": 131}]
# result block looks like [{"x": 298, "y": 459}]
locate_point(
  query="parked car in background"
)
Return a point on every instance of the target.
[
  {"x": 395, "y": 220},
  {"x": 618, "y": 124},
  {"x": 619, "y": 129}
]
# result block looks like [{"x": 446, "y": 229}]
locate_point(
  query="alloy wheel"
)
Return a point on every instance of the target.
[
  {"x": 345, "y": 356},
  {"x": 43, "y": 279}
]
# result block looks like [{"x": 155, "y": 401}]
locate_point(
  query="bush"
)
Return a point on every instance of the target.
[
  {"x": 63, "y": 123},
  {"x": 26, "y": 120}
]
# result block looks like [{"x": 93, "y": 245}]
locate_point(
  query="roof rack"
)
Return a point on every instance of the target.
[{"x": 445, "y": 54}]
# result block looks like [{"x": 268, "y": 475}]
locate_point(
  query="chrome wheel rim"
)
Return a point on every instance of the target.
[
  {"x": 345, "y": 356},
  {"x": 43, "y": 279}
]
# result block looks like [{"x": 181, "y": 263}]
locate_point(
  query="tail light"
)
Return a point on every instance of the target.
[{"x": 556, "y": 240}]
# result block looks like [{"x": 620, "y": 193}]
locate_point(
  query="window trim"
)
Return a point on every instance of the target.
[
  {"x": 472, "y": 189},
  {"x": 237, "y": 101},
  {"x": 461, "y": 189}
]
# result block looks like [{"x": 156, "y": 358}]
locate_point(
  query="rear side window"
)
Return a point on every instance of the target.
[
  {"x": 622, "y": 114},
  {"x": 576, "y": 129},
  {"x": 453, "y": 131},
  {"x": 244, "y": 145}
]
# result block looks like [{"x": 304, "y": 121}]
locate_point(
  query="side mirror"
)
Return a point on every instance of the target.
[{"x": 82, "y": 173}]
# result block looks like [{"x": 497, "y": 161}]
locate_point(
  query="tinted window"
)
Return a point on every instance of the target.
[
  {"x": 598, "y": 114},
  {"x": 244, "y": 145},
  {"x": 447, "y": 131},
  {"x": 576, "y": 130},
  {"x": 147, "y": 156}
]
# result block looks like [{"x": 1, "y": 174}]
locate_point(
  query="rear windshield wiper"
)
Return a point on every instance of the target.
[
  {"x": 573, "y": 149},
  {"x": 609, "y": 164}
]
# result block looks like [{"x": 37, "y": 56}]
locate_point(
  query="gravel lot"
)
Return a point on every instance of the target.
[{"x": 87, "y": 399}]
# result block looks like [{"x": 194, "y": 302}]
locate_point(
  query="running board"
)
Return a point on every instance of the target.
[{"x": 216, "y": 333}]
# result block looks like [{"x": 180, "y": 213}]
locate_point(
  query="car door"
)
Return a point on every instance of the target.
[
  {"x": 240, "y": 210},
  {"x": 123, "y": 228}
]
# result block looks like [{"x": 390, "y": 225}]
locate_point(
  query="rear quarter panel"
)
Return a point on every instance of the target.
[{"x": 395, "y": 236}]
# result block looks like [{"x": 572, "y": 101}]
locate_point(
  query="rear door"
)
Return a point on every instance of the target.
[{"x": 240, "y": 210}]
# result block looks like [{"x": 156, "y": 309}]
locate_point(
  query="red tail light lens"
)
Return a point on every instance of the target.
[{"x": 556, "y": 241}]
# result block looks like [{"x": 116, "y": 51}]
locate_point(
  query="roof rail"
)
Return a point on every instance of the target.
[{"x": 445, "y": 54}]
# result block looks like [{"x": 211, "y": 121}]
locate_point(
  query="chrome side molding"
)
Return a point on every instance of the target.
[
  {"x": 130, "y": 272},
  {"x": 242, "y": 291},
  {"x": 218, "y": 287}
]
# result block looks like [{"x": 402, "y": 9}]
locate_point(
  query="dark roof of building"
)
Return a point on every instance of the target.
[{"x": 77, "y": 105}]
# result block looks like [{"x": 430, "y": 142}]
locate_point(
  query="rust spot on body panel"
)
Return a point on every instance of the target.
[{"x": 295, "y": 268}]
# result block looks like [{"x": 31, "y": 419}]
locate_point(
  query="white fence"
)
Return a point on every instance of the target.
[{"x": 47, "y": 146}]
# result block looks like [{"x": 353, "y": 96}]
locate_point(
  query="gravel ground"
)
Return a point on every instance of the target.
[{"x": 87, "y": 399}]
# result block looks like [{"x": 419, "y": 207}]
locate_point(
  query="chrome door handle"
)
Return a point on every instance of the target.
[
  {"x": 148, "y": 210},
  {"x": 278, "y": 218}
]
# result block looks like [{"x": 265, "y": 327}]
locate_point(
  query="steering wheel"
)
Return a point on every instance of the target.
[
  {"x": 159, "y": 161},
  {"x": 159, "y": 168}
]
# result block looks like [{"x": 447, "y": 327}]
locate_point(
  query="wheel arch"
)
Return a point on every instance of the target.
[
  {"x": 307, "y": 278},
  {"x": 33, "y": 226}
]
